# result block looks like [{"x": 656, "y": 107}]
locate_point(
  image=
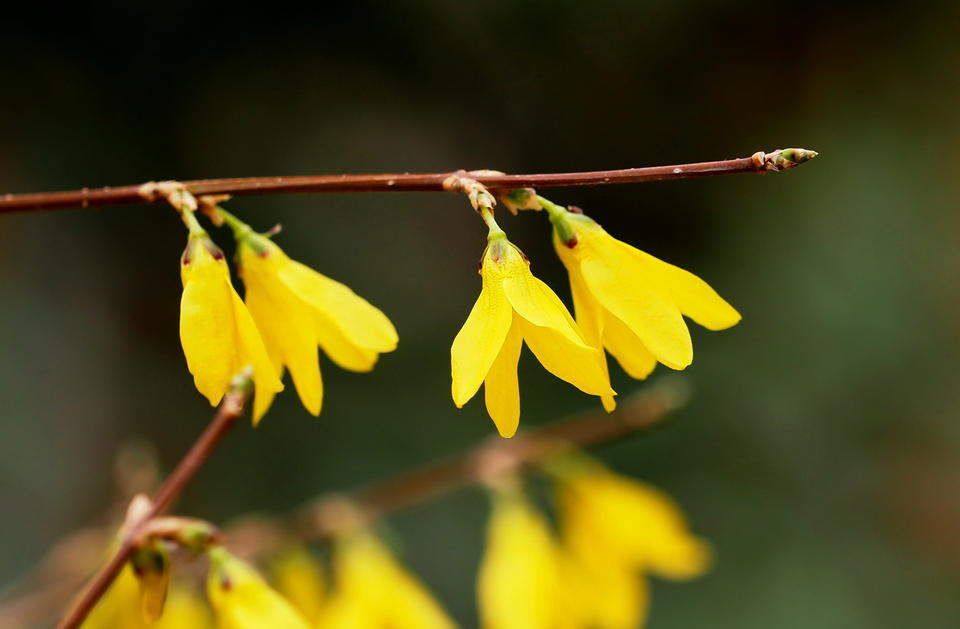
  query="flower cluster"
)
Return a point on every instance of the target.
[
  {"x": 626, "y": 301},
  {"x": 588, "y": 572},
  {"x": 289, "y": 311}
]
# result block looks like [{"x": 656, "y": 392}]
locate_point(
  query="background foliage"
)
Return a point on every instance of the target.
[{"x": 820, "y": 452}]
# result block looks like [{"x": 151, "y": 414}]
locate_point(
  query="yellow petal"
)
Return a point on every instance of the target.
[
  {"x": 603, "y": 594},
  {"x": 242, "y": 600},
  {"x": 627, "y": 348},
  {"x": 286, "y": 324},
  {"x": 479, "y": 341},
  {"x": 617, "y": 281},
  {"x": 120, "y": 606},
  {"x": 589, "y": 318},
  {"x": 633, "y": 522},
  {"x": 578, "y": 364},
  {"x": 298, "y": 576},
  {"x": 374, "y": 586},
  {"x": 251, "y": 352},
  {"x": 519, "y": 585},
  {"x": 691, "y": 294},
  {"x": 338, "y": 347},
  {"x": 184, "y": 609},
  {"x": 361, "y": 323},
  {"x": 536, "y": 302},
  {"x": 207, "y": 328},
  {"x": 501, "y": 389}
]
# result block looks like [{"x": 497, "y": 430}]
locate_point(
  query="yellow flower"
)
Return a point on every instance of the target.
[
  {"x": 218, "y": 335},
  {"x": 513, "y": 307},
  {"x": 241, "y": 599},
  {"x": 298, "y": 576},
  {"x": 185, "y": 609},
  {"x": 630, "y": 302},
  {"x": 602, "y": 594},
  {"x": 374, "y": 591},
  {"x": 120, "y": 606},
  {"x": 519, "y": 584},
  {"x": 610, "y": 518},
  {"x": 151, "y": 565},
  {"x": 297, "y": 309}
]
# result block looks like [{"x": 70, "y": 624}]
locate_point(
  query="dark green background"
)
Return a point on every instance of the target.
[{"x": 820, "y": 451}]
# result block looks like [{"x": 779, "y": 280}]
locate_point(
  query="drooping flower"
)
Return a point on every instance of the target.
[
  {"x": 519, "y": 584},
  {"x": 612, "y": 518},
  {"x": 298, "y": 576},
  {"x": 151, "y": 565},
  {"x": 218, "y": 334},
  {"x": 373, "y": 590},
  {"x": 297, "y": 309},
  {"x": 241, "y": 599},
  {"x": 185, "y": 608},
  {"x": 630, "y": 302},
  {"x": 513, "y": 307}
]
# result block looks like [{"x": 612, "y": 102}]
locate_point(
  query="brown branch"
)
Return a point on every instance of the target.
[
  {"x": 639, "y": 412},
  {"x": 147, "y": 193},
  {"x": 230, "y": 410}
]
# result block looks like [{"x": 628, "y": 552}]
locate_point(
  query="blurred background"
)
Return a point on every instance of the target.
[{"x": 820, "y": 452}]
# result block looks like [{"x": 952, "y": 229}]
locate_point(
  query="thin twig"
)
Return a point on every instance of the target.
[
  {"x": 760, "y": 162},
  {"x": 230, "y": 410},
  {"x": 640, "y": 412}
]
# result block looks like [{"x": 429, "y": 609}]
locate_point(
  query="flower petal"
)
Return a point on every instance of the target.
[
  {"x": 619, "y": 283},
  {"x": 251, "y": 352},
  {"x": 207, "y": 327},
  {"x": 691, "y": 294},
  {"x": 538, "y": 304},
  {"x": 501, "y": 388},
  {"x": 589, "y": 318},
  {"x": 627, "y": 348},
  {"x": 339, "y": 348},
  {"x": 479, "y": 341},
  {"x": 575, "y": 363},
  {"x": 360, "y": 322}
]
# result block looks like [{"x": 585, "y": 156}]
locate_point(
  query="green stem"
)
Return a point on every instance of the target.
[
  {"x": 486, "y": 214},
  {"x": 559, "y": 219},
  {"x": 193, "y": 225},
  {"x": 240, "y": 229}
]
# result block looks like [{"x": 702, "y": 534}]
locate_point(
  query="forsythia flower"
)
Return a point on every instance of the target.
[
  {"x": 241, "y": 599},
  {"x": 184, "y": 610},
  {"x": 151, "y": 565},
  {"x": 120, "y": 606},
  {"x": 630, "y": 302},
  {"x": 374, "y": 592},
  {"x": 602, "y": 594},
  {"x": 298, "y": 576},
  {"x": 297, "y": 309},
  {"x": 629, "y": 523},
  {"x": 218, "y": 334},
  {"x": 519, "y": 583},
  {"x": 513, "y": 307}
]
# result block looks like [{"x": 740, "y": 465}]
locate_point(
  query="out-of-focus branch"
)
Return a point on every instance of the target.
[
  {"x": 226, "y": 416},
  {"x": 150, "y": 192},
  {"x": 639, "y": 412}
]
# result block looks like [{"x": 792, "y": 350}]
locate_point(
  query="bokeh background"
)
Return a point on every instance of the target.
[{"x": 820, "y": 452}]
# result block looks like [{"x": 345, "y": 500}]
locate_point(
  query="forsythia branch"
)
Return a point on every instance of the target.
[
  {"x": 150, "y": 192},
  {"x": 227, "y": 414}
]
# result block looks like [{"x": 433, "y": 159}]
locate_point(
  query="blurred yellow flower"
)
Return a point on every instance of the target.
[
  {"x": 151, "y": 566},
  {"x": 630, "y": 302},
  {"x": 373, "y": 591},
  {"x": 601, "y": 593},
  {"x": 610, "y": 518},
  {"x": 297, "y": 309},
  {"x": 120, "y": 606},
  {"x": 299, "y": 577},
  {"x": 241, "y": 599},
  {"x": 218, "y": 334},
  {"x": 185, "y": 609},
  {"x": 514, "y": 306},
  {"x": 519, "y": 584}
]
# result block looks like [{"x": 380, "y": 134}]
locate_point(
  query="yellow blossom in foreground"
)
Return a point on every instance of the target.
[
  {"x": 373, "y": 591},
  {"x": 298, "y": 576},
  {"x": 120, "y": 606},
  {"x": 610, "y": 518},
  {"x": 241, "y": 599},
  {"x": 297, "y": 309},
  {"x": 602, "y": 594},
  {"x": 218, "y": 334},
  {"x": 514, "y": 307},
  {"x": 519, "y": 583},
  {"x": 630, "y": 302},
  {"x": 185, "y": 609}
]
